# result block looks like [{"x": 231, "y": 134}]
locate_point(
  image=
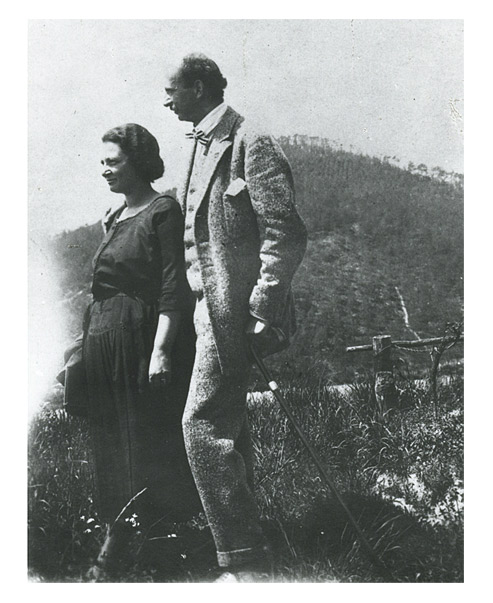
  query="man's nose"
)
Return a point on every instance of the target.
[{"x": 167, "y": 102}]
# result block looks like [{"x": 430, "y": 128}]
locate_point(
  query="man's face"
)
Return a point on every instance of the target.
[{"x": 182, "y": 101}]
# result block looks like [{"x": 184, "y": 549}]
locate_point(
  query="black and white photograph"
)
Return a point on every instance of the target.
[{"x": 245, "y": 301}]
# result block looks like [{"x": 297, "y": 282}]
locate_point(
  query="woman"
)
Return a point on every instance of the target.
[{"x": 138, "y": 345}]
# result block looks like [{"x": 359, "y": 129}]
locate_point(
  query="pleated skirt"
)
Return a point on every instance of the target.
[{"x": 136, "y": 433}]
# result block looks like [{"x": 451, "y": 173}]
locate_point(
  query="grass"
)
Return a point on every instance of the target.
[{"x": 400, "y": 474}]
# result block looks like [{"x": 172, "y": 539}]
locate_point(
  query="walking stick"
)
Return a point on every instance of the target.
[{"x": 274, "y": 388}]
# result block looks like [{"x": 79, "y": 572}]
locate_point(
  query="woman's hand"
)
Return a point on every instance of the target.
[
  {"x": 159, "y": 369},
  {"x": 160, "y": 364}
]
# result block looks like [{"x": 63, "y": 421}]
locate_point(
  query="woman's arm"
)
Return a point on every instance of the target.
[
  {"x": 160, "y": 364},
  {"x": 168, "y": 227}
]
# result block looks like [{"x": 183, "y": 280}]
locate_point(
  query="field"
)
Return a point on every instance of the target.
[{"x": 400, "y": 474}]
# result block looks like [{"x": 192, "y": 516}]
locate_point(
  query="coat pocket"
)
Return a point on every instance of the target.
[{"x": 235, "y": 188}]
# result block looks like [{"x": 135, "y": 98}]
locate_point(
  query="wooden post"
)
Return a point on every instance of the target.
[{"x": 385, "y": 392}]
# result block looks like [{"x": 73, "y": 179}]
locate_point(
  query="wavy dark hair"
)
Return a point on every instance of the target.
[
  {"x": 197, "y": 66},
  {"x": 141, "y": 148}
]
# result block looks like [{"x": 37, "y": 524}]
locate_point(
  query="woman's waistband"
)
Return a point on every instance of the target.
[{"x": 102, "y": 296}]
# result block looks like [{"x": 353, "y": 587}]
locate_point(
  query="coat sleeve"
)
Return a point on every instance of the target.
[{"x": 283, "y": 235}]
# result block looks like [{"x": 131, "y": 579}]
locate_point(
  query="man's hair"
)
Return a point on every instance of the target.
[
  {"x": 141, "y": 148},
  {"x": 197, "y": 66}
]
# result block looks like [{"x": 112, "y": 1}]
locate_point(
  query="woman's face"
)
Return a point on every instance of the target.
[{"x": 118, "y": 172}]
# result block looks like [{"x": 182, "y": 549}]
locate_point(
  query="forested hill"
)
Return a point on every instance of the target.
[{"x": 385, "y": 245}]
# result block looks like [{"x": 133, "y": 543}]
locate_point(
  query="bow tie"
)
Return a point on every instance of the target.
[{"x": 198, "y": 135}]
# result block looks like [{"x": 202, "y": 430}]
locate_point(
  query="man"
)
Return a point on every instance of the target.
[{"x": 243, "y": 243}]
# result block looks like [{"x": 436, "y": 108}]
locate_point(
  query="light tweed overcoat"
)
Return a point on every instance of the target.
[{"x": 249, "y": 237}]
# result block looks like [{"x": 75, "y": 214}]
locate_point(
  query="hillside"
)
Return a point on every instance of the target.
[
  {"x": 379, "y": 235},
  {"x": 374, "y": 227}
]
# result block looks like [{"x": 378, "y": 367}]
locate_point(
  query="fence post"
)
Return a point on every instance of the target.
[{"x": 385, "y": 392}]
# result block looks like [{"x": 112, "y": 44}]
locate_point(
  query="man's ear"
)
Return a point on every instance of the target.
[{"x": 198, "y": 86}]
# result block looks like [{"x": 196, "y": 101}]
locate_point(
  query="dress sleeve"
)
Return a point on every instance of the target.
[{"x": 168, "y": 227}]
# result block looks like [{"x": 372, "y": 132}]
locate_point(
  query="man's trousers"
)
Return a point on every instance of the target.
[{"x": 218, "y": 444}]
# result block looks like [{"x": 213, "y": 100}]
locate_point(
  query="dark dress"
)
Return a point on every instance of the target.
[{"x": 136, "y": 433}]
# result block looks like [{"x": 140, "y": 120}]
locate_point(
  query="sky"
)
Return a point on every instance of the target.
[{"x": 381, "y": 87}]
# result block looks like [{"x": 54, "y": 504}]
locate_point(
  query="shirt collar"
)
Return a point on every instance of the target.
[{"x": 210, "y": 121}]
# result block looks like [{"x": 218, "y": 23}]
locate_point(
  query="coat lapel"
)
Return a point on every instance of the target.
[
  {"x": 182, "y": 192},
  {"x": 221, "y": 141}
]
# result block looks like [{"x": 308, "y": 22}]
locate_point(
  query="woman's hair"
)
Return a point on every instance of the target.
[{"x": 141, "y": 148}]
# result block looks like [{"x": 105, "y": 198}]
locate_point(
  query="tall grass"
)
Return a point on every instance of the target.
[{"x": 400, "y": 474}]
